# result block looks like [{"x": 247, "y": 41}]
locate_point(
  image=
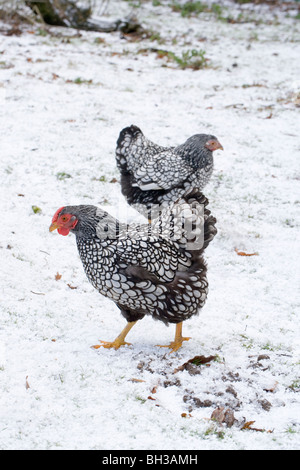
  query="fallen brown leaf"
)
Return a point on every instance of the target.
[
  {"x": 271, "y": 388},
  {"x": 197, "y": 360},
  {"x": 269, "y": 116},
  {"x": 72, "y": 287},
  {"x": 37, "y": 293},
  {"x": 248, "y": 425},
  {"x": 242, "y": 253},
  {"x": 26, "y": 383},
  {"x": 57, "y": 276}
]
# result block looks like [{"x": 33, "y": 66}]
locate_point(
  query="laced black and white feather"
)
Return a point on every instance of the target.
[
  {"x": 156, "y": 175},
  {"x": 140, "y": 267}
]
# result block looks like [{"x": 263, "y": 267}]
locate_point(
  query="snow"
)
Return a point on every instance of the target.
[{"x": 58, "y": 136}]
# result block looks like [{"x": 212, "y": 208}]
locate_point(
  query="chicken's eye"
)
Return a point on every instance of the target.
[{"x": 64, "y": 218}]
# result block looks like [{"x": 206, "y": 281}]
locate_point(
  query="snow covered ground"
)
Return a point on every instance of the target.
[{"x": 64, "y": 98}]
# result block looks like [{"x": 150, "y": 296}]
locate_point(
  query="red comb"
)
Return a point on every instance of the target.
[{"x": 55, "y": 217}]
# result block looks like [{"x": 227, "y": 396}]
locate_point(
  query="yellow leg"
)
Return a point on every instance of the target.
[
  {"x": 119, "y": 341},
  {"x": 177, "y": 343}
]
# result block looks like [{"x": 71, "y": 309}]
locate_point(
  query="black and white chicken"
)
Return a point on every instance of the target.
[
  {"x": 156, "y": 269},
  {"x": 154, "y": 175}
]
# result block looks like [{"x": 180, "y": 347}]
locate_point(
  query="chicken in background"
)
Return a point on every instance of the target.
[{"x": 152, "y": 175}]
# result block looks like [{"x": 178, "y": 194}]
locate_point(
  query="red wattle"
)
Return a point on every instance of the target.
[{"x": 63, "y": 231}]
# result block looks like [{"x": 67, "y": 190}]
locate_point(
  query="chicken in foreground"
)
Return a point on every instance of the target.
[
  {"x": 144, "y": 269},
  {"x": 154, "y": 175}
]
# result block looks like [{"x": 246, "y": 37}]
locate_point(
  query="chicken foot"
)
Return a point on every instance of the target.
[
  {"x": 119, "y": 341},
  {"x": 178, "y": 340}
]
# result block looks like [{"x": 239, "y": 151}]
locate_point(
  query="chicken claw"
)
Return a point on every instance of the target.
[
  {"x": 119, "y": 341},
  {"x": 177, "y": 343},
  {"x": 116, "y": 344}
]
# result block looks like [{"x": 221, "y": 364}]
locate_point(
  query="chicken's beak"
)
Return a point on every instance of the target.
[
  {"x": 213, "y": 145},
  {"x": 53, "y": 227}
]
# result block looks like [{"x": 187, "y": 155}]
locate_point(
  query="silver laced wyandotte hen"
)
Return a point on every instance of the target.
[
  {"x": 155, "y": 175},
  {"x": 156, "y": 269}
]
